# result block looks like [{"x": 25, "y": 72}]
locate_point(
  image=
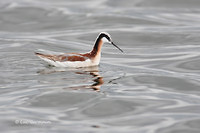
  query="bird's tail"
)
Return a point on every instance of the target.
[{"x": 42, "y": 55}]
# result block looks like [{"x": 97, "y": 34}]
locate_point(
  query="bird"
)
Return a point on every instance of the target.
[{"x": 78, "y": 60}]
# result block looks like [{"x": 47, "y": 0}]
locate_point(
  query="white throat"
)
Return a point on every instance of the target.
[{"x": 104, "y": 39}]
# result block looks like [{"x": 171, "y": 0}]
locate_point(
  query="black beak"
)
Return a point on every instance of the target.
[{"x": 116, "y": 46}]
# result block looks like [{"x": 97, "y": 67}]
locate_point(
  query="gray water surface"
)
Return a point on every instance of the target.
[{"x": 153, "y": 87}]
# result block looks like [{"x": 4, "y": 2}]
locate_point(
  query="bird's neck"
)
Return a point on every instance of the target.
[{"x": 97, "y": 47}]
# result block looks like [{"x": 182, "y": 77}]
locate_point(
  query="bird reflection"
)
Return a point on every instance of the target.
[{"x": 93, "y": 71}]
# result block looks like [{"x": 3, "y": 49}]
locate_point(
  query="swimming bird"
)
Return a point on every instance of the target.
[{"x": 76, "y": 60}]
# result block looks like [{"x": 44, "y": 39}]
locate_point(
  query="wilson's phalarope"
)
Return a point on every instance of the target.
[{"x": 76, "y": 59}]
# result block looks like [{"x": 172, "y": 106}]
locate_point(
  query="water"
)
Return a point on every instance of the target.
[{"x": 153, "y": 87}]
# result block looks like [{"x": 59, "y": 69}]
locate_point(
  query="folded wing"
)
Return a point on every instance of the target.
[{"x": 63, "y": 57}]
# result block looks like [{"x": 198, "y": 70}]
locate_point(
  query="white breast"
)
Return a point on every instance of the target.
[{"x": 97, "y": 59}]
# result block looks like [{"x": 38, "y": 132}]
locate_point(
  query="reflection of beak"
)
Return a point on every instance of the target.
[{"x": 116, "y": 46}]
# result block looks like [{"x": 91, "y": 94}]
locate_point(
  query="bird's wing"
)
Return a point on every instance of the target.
[{"x": 63, "y": 57}]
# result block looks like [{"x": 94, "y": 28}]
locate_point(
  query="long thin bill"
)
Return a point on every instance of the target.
[{"x": 116, "y": 46}]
